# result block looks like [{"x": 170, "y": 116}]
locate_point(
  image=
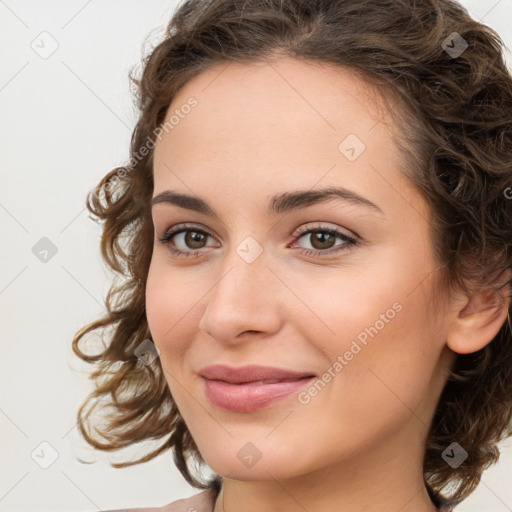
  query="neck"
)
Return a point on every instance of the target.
[
  {"x": 283, "y": 497},
  {"x": 389, "y": 477}
]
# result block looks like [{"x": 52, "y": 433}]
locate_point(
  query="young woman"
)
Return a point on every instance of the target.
[{"x": 314, "y": 234}]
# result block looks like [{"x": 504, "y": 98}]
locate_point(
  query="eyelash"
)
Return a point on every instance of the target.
[{"x": 349, "y": 244}]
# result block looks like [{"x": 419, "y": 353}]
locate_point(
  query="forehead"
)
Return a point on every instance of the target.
[
  {"x": 296, "y": 107},
  {"x": 264, "y": 127},
  {"x": 283, "y": 90}
]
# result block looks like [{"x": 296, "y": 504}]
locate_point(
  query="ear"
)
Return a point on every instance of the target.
[{"x": 477, "y": 320}]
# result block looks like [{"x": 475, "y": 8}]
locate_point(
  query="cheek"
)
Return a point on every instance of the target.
[
  {"x": 158, "y": 303},
  {"x": 170, "y": 316},
  {"x": 169, "y": 308},
  {"x": 392, "y": 372},
  {"x": 377, "y": 385},
  {"x": 376, "y": 320}
]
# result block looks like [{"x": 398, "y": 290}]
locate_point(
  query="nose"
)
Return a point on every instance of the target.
[{"x": 246, "y": 299}]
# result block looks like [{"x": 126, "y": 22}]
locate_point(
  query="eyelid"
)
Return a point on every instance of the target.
[
  {"x": 322, "y": 226},
  {"x": 305, "y": 228},
  {"x": 350, "y": 240},
  {"x": 183, "y": 227}
]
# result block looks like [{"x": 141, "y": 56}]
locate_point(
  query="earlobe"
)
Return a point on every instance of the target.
[{"x": 478, "y": 321}]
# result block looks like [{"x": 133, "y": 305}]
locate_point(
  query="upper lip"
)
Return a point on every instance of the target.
[{"x": 249, "y": 373}]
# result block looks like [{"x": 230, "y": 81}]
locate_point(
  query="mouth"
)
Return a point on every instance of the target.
[
  {"x": 250, "y": 373},
  {"x": 251, "y": 388},
  {"x": 259, "y": 382}
]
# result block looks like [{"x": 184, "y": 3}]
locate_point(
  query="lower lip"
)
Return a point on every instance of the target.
[{"x": 250, "y": 397}]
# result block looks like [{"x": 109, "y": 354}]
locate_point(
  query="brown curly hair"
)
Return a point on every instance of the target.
[{"x": 457, "y": 147}]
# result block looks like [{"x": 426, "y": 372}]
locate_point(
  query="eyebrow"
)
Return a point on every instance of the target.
[{"x": 278, "y": 204}]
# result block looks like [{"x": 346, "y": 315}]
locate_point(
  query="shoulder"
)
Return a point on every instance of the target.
[{"x": 202, "y": 502}]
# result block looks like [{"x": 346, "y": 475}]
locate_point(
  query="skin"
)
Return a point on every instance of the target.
[{"x": 261, "y": 129}]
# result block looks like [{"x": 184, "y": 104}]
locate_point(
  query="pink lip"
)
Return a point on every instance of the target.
[{"x": 252, "y": 387}]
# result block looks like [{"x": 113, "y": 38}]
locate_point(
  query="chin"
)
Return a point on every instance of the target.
[{"x": 246, "y": 461}]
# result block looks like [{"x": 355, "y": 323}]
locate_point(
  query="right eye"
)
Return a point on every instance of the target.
[{"x": 189, "y": 236}]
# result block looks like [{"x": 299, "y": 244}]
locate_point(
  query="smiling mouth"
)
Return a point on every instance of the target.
[
  {"x": 246, "y": 397},
  {"x": 261, "y": 382}
]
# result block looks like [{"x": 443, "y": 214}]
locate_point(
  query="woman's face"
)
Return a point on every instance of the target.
[{"x": 350, "y": 308}]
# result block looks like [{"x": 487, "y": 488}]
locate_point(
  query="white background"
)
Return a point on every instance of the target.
[{"x": 66, "y": 121}]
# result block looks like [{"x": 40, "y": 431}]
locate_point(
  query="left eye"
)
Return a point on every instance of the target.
[{"x": 322, "y": 239}]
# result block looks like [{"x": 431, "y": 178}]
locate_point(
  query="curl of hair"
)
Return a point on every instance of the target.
[{"x": 456, "y": 138}]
